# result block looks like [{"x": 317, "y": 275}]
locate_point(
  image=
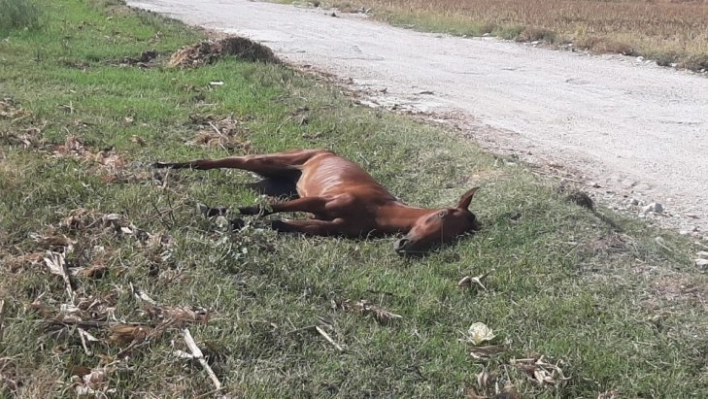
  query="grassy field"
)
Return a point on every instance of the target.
[
  {"x": 597, "y": 311},
  {"x": 668, "y": 31}
]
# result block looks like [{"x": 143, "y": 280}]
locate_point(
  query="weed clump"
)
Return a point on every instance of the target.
[{"x": 19, "y": 14}]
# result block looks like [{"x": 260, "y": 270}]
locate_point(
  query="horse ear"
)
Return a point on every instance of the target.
[{"x": 467, "y": 198}]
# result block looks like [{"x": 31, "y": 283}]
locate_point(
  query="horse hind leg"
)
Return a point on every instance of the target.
[{"x": 278, "y": 165}]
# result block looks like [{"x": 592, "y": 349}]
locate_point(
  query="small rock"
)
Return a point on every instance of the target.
[
  {"x": 692, "y": 216},
  {"x": 640, "y": 59},
  {"x": 701, "y": 262},
  {"x": 654, "y": 207},
  {"x": 594, "y": 184},
  {"x": 627, "y": 183},
  {"x": 683, "y": 232},
  {"x": 702, "y": 254},
  {"x": 634, "y": 202}
]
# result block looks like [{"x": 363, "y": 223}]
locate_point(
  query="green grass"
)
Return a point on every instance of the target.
[{"x": 627, "y": 317}]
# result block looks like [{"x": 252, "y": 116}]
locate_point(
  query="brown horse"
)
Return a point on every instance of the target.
[{"x": 344, "y": 200}]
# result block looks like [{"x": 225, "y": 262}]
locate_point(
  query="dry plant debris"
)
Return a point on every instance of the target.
[
  {"x": 91, "y": 382},
  {"x": 227, "y": 133},
  {"x": 10, "y": 109},
  {"x": 538, "y": 371},
  {"x": 82, "y": 220},
  {"x": 468, "y": 282},
  {"x": 478, "y": 333},
  {"x": 180, "y": 315},
  {"x": 9, "y": 380},
  {"x": 197, "y": 354},
  {"x": 486, "y": 352},
  {"x": 144, "y": 61},
  {"x": 611, "y": 394},
  {"x": 128, "y": 333},
  {"x": 74, "y": 147},
  {"x": 486, "y": 380},
  {"x": 106, "y": 163},
  {"x": 366, "y": 308},
  {"x": 208, "y": 51},
  {"x": 30, "y": 137},
  {"x": 15, "y": 263},
  {"x": 329, "y": 339},
  {"x": 56, "y": 264},
  {"x": 2, "y": 318}
]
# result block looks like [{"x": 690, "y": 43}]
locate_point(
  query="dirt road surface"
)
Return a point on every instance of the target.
[{"x": 639, "y": 132}]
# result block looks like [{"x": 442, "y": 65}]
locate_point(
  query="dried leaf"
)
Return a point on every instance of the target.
[
  {"x": 53, "y": 241},
  {"x": 10, "y": 109},
  {"x": 140, "y": 294},
  {"x": 127, "y": 334},
  {"x": 93, "y": 382},
  {"x": 478, "y": 333},
  {"x": 9, "y": 380},
  {"x": 366, "y": 308},
  {"x": 486, "y": 380},
  {"x": 94, "y": 271},
  {"x": 15, "y": 263},
  {"x": 86, "y": 337},
  {"x": 540, "y": 372},
  {"x": 612, "y": 394},
  {"x": 182, "y": 354},
  {"x": 110, "y": 159},
  {"x": 485, "y": 352},
  {"x": 180, "y": 315},
  {"x": 57, "y": 265},
  {"x": 158, "y": 241},
  {"x": 73, "y": 146},
  {"x": 77, "y": 219},
  {"x": 138, "y": 140}
]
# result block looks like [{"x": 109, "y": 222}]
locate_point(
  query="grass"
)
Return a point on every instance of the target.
[
  {"x": 670, "y": 32},
  {"x": 618, "y": 312},
  {"x": 19, "y": 14}
]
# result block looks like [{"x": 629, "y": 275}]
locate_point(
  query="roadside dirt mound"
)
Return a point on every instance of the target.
[{"x": 208, "y": 51}]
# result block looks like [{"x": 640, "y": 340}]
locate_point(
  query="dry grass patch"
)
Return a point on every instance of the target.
[
  {"x": 208, "y": 51},
  {"x": 228, "y": 133}
]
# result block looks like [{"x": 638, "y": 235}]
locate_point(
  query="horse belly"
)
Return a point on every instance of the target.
[{"x": 324, "y": 179}]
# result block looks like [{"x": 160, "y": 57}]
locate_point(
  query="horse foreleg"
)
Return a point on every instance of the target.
[{"x": 311, "y": 227}]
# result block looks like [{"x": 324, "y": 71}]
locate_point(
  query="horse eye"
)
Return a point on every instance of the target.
[{"x": 442, "y": 214}]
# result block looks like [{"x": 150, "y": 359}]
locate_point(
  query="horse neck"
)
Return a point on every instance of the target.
[{"x": 398, "y": 217}]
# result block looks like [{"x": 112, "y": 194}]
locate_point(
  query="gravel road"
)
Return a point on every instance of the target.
[{"x": 637, "y": 131}]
